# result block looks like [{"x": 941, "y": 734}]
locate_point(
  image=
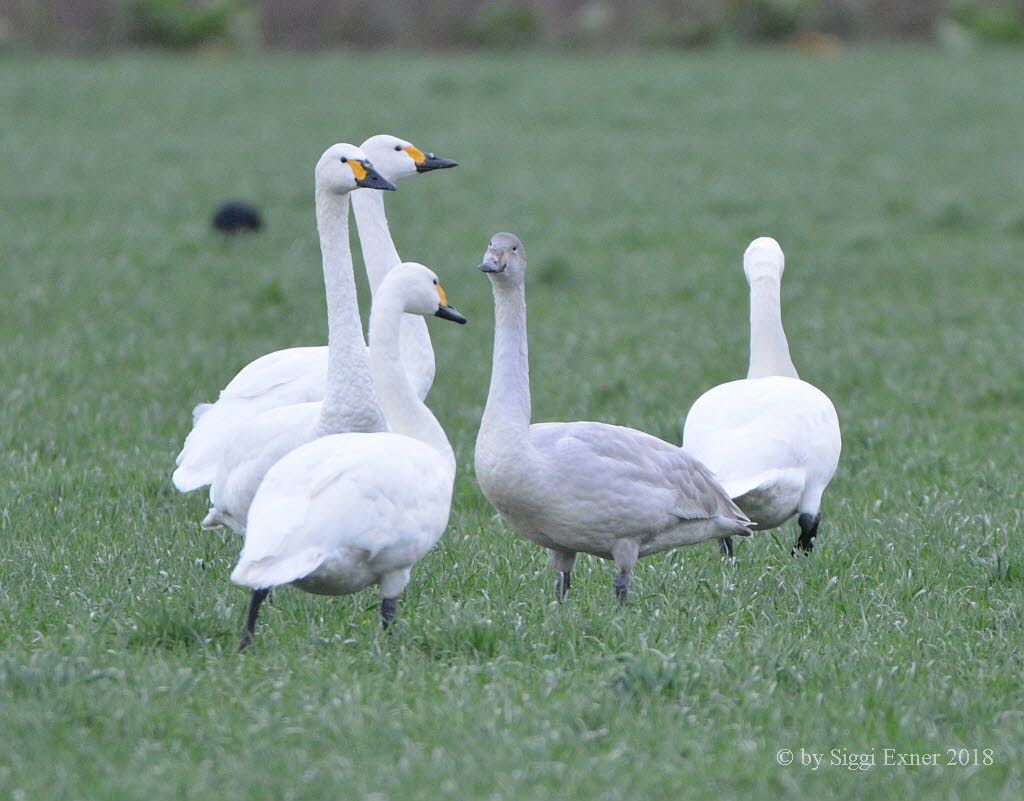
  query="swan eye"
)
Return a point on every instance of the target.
[
  {"x": 344, "y": 160},
  {"x": 515, "y": 248},
  {"x": 398, "y": 148},
  {"x": 435, "y": 282}
]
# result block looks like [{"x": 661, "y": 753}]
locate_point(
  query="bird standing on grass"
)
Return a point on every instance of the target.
[
  {"x": 350, "y": 403},
  {"x": 350, "y": 510},
  {"x": 772, "y": 439},
  {"x": 297, "y": 375},
  {"x": 584, "y": 487}
]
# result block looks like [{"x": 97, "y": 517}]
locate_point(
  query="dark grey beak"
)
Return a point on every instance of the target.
[
  {"x": 432, "y": 162},
  {"x": 450, "y": 313},
  {"x": 373, "y": 179},
  {"x": 491, "y": 264}
]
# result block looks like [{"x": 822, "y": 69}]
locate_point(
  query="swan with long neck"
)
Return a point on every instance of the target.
[
  {"x": 772, "y": 439},
  {"x": 349, "y": 401},
  {"x": 347, "y": 511},
  {"x": 611, "y": 491},
  {"x": 298, "y": 375}
]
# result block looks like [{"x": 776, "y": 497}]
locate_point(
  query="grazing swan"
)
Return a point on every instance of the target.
[
  {"x": 297, "y": 375},
  {"x": 610, "y": 491},
  {"x": 349, "y": 403},
  {"x": 350, "y": 510},
  {"x": 772, "y": 439}
]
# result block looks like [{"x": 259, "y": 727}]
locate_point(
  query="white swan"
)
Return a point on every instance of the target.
[
  {"x": 349, "y": 403},
  {"x": 297, "y": 375},
  {"x": 614, "y": 492},
  {"x": 350, "y": 510},
  {"x": 772, "y": 439}
]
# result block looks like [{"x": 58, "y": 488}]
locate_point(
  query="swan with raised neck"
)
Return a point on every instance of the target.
[
  {"x": 772, "y": 439},
  {"x": 349, "y": 402},
  {"x": 349, "y": 510},
  {"x": 396, "y": 159},
  {"x": 611, "y": 491},
  {"x": 297, "y": 375}
]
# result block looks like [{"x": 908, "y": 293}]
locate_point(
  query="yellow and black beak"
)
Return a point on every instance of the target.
[
  {"x": 446, "y": 312},
  {"x": 425, "y": 162},
  {"x": 432, "y": 162},
  {"x": 367, "y": 177}
]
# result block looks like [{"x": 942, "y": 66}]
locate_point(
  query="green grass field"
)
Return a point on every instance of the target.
[{"x": 892, "y": 178}]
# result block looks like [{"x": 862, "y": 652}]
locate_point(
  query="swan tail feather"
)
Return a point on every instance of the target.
[{"x": 271, "y": 571}]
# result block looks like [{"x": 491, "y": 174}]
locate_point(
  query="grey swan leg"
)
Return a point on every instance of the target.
[
  {"x": 725, "y": 546},
  {"x": 625, "y": 553},
  {"x": 808, "y": 531},
  {"x": 388, "y": 610},
  {"x": 563, "y": 563},
  {"x": 563, "y": 582},
  {"x": 256, "y": 597}
]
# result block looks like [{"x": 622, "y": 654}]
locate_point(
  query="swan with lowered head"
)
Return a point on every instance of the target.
[
  {"x": 584, "y": 487},
  {"x": 772, "y": 439},
  {"x": 297, "y": 375},
  {"x": 349, "y": 403},
  {"x": 350, "y": 510}
]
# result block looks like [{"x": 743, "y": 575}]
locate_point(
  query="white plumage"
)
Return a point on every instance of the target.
[
  {"x": 585, "y": 487},
  {"x": 772, "y": 439},
  {"x": 350, "y": 510},
  {"x": 349, "y": 404},
  {"x": 298, "y": 375}
]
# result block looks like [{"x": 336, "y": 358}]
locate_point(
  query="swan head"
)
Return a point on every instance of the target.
[
  {"x": 505, "y": 259},
  {"x": 345, "y": 167},
  {"x": 419, "y": 292},
  {"x": 763, "y": 259},
  {"x": 396, "y": 159}
]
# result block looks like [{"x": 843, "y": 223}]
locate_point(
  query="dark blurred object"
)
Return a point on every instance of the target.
[{"x": 236, "y": 217}]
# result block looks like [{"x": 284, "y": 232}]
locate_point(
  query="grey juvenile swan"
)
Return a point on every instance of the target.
[{"x": 614, "y": 492}]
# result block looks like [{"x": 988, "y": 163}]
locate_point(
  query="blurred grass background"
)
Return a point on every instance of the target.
[
  {"x": 891, "y": 176},
  {"x": 573, "y": 24}
]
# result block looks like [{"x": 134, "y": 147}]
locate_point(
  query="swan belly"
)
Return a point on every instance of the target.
[
  {"x": 772, "y": 500},
  {"x": 594, "y": 523}
]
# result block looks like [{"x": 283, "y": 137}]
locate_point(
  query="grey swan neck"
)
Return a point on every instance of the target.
[{"x": 506, "y": 420}]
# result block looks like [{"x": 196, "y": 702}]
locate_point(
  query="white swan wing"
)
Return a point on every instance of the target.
[
  {"x": 261, "y": 441},
  {"x": 747, "y": 430},
  {"x": 294, "y": 375},
  {"x": 368, "y": 493}
]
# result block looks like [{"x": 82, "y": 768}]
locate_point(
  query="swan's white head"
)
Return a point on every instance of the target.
[
  {"x": 763, "y": 259},
  {"x": 418, "y": 292},
  {"x": 345, "y": 167},
  {"x": 505, "y": 260},
  {"x": 396, "y": 159}
]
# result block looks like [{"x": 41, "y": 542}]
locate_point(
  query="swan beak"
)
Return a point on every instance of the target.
[
  {"x": 432, "y": 162},
  {"x": 491, "y": 263},
  {"x": 450, "y": 313},
  {"x": 368, "y": 178}
]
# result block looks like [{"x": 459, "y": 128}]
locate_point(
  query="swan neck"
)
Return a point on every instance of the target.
[
  {"x": 380, "y": 256},
  {"x": 349, "y": 402},
  {"x": 405, "y": 412},
  {"x": 379, "y": 252},
  {"x": 506, "y": 417},
  {"x": 769, "y": 349}
]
